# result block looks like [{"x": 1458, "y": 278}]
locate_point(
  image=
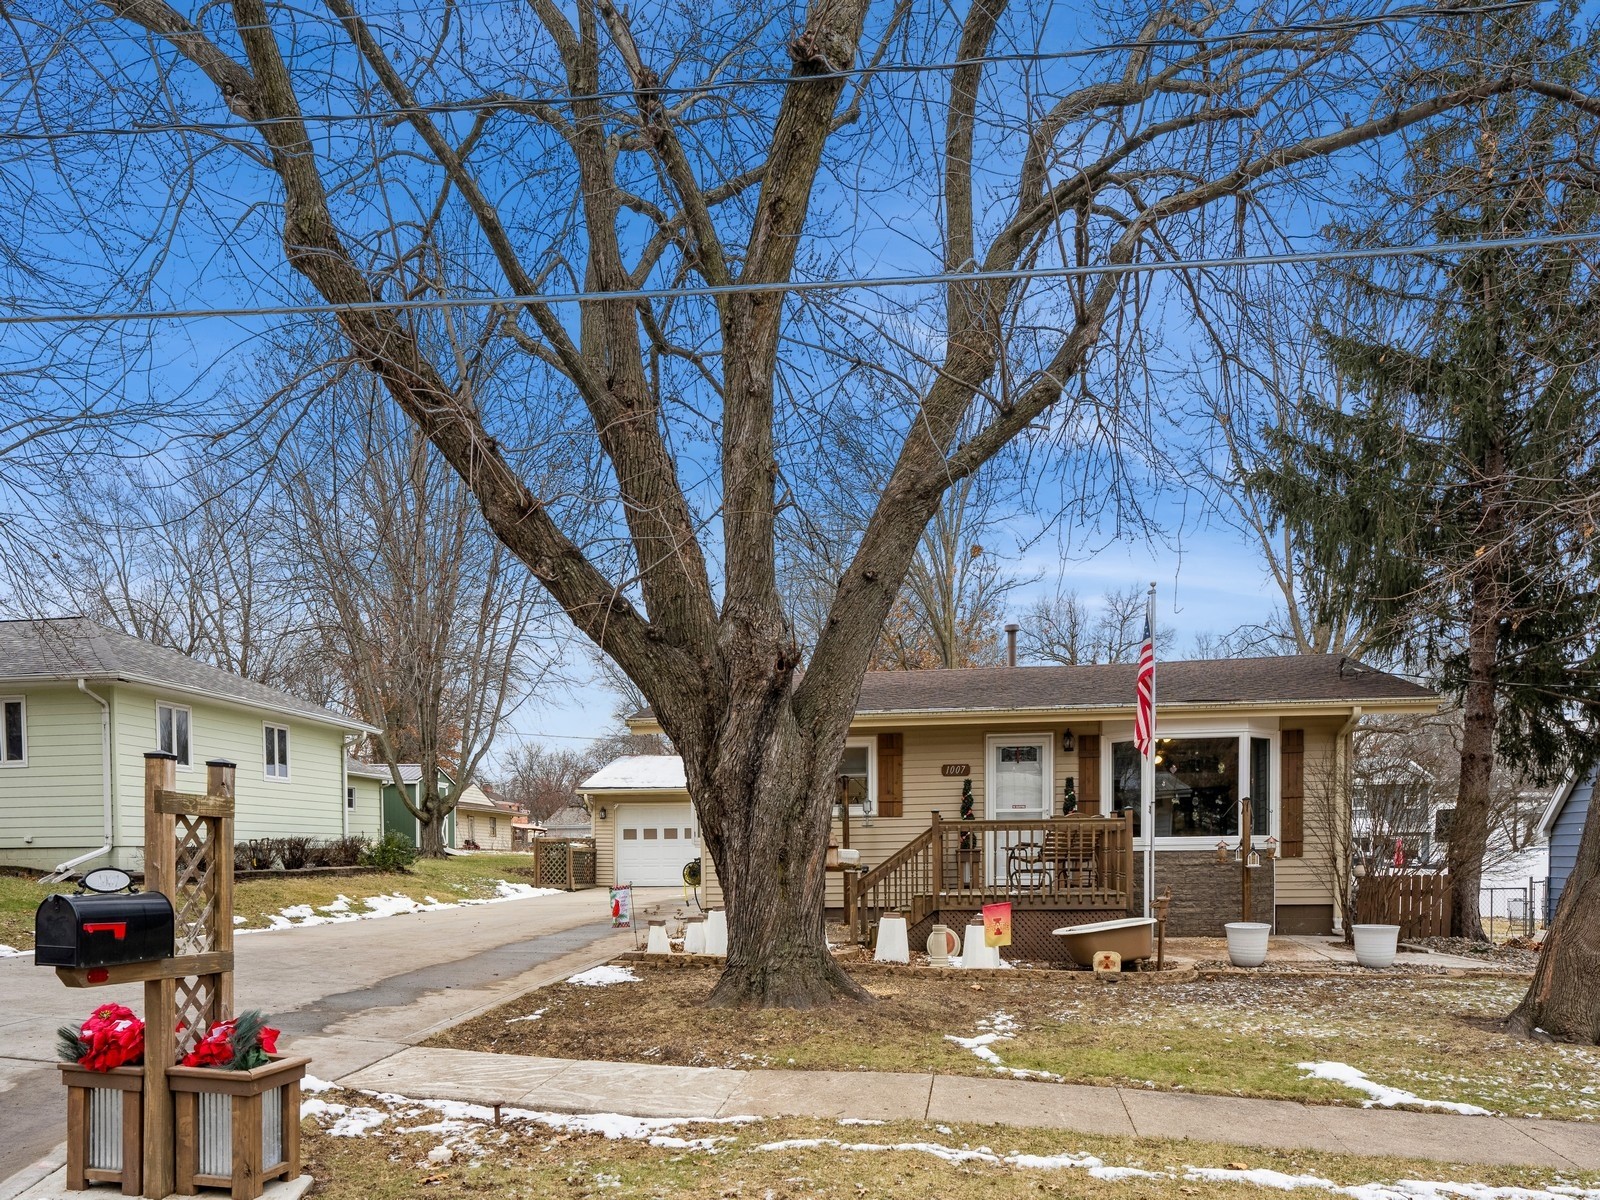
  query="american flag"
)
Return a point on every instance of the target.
[{"x": 1144, "y": 719}]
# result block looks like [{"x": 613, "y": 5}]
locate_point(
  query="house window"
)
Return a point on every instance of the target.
[
  {"x": 1443, "y": 821},
  {"x": 14, "y": 727},
  {"x": 858, "y": 770},
  {"x": 172, "y": 731},
  {"x": 277, "y": 751},
  {"x": 1197, "y": 783},
  {"x": 494, "y": 826},
  {"x": 350, "y": 797}
]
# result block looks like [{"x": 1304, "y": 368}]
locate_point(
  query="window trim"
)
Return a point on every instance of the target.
[
  {"x": 175, "y": 707},
  {"x": 288, "y": 743},
  {"x": 1241, "y": 731},
  {"x": 870, "y": 745},
  {"x": 22, "y": 701}
]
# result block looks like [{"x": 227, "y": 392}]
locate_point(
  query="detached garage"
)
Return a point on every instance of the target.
[{"x": 644, "y": 828}]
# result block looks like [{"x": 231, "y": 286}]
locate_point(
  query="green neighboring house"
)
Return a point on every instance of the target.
[
  {"x": 397, "y": 818},
  {"x": 80, "y": 705}
]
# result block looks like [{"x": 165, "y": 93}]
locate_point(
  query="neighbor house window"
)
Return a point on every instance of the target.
[
  {"x": 277, "y": 751},
  {"x": 349, "y": 797},
  {"x": 13, "y": 732},
  {"x": 855, "y": 768},
  {"x": 172, "y": 731},
  {"x": 1198, "y": 782},
  {"x": 494, "y": 826}
]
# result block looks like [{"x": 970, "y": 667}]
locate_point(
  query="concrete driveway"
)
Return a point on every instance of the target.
[{"x": 347, "y": 994}]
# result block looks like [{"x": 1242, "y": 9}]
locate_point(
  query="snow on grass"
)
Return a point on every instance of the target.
[
  {"x": 1403, "y": 1189},
  {"x": 342, "y": 909},
  {"x": 604, "y": 976},
  {"x": 998, "y": 1027},
  {"x": 13, "y": 952},
  {"x": 533, "y": 1016},
  {"x": 1382, "y": 1095}
]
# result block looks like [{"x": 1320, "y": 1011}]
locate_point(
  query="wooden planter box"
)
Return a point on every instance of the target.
[
  {"x": 237, "y": 1129},
  {"x": 105, "y": 1127}
]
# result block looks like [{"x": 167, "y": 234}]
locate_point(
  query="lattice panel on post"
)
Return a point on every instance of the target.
[
  {"x": 194, "y": 884},
  {"x": 196, "y": 1003}
]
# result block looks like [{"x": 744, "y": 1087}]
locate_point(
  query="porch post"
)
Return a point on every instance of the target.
[{"x": 936, "y": 869}]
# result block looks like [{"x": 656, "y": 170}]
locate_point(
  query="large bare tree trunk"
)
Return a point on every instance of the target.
[{"x": 1563, "y": 1001}]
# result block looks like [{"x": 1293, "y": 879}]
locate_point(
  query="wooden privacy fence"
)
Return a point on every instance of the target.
[
  {"x": 564, "y": 862},
  {"x": 1417, "y": 901}
]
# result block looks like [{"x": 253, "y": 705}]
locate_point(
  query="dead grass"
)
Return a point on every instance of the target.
[
  {"x": 448, "y": 880},
  {"x": 1237, "y": 1035},
  {"x": 528, "y": 1158}
]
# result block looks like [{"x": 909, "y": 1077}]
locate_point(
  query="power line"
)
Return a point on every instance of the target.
[
  {"x": 1286, "y": 258},
  {"x": 495, "y": 102}
]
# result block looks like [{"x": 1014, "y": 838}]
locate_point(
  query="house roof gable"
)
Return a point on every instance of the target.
[{"x": 63, "y": 648}]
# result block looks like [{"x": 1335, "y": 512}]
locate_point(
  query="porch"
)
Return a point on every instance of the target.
[{"x": 1053, "y": 871}]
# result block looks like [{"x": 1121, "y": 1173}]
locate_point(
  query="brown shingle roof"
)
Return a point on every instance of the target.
[{"x": 1301, "y": 678}]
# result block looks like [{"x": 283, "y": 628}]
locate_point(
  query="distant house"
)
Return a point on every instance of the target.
[
  {"x": 1398, "y": 803},
  {"x": 570, "y": 821},
  {"x": 484, "y": 820},
  {"x": 1562, "y": 824},
  {"x": 81, "y": 705}
]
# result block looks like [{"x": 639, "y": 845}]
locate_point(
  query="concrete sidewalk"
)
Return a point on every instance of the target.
[{"x": 636, "y": 1089}]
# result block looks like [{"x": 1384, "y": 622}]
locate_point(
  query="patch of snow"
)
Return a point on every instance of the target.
[
  {"x": 341, "y": 903},
  {"x": 1382, "y": 1095},
  {"x": 1001, "y": 1026},
  {"x": 639, "y": 772},
  {"x": 604, "y": 976},
  {"x": 533, "y": 1016},
  {"x": 13, "y": 952},
  {"x": 861, "y": 1121},
  {"x": 297, "y": 916}
]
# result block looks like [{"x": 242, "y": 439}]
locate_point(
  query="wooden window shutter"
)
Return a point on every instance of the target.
[
  {"x": 1292, "y": 811},
  {"x": 1089, "y": 774},
  {"x": 891, "y": 775}
]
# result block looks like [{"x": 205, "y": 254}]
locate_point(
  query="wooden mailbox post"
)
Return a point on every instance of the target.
[{"x": 188, "y": 847}]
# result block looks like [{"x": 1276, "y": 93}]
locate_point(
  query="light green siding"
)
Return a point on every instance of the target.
[
  {"x": 366, "y": 818},
  {"x": 310, "y": 802},
  {"x": 51, "y": 808}
]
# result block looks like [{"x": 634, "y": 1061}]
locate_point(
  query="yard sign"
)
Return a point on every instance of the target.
[
  {"x": 997, "y": 924},
  {"x": 622, "y": 906}
]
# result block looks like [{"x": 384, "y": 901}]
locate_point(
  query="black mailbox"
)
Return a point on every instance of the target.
[{"x": 102, "y": 931}]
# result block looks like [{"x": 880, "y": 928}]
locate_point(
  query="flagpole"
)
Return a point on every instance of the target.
[{"x": 1147, "y": 771}]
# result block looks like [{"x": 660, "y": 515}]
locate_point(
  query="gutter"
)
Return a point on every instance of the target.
[
  {"x": 1344, "y": 775},
  {"x": 64, "y": 869}
]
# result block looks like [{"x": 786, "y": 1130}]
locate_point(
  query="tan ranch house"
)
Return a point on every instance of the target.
[{"x": 1054, "y": 826}]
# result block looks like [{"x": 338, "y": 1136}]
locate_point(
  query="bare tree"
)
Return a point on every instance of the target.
[
  {"x": 1066, "y": 630},
  {"x": 587, "y": 149},
  {"x": 543, "y": 779}
]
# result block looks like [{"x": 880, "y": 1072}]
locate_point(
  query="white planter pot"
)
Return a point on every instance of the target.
[
  {"x": 1376, "y": 944},
  {"x": 893, "y": 946},
  {"x": 975, "y": 955},
  {"x": 1247, "y": 942},
  {"x": 717, "y": 931}
]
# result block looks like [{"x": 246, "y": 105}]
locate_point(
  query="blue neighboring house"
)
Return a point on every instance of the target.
[{"x": 1562, "y": 825}]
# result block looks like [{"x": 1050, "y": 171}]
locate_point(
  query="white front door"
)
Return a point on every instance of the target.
[{"x": 1018, "y": 786}]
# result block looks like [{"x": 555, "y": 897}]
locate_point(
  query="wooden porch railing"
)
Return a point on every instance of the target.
[{"x": 1082, "y": 864}]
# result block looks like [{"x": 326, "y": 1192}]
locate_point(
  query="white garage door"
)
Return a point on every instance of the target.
[{"x": 654, "y": 841}]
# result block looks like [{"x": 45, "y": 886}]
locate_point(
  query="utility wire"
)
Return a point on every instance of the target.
[
  {"x": 1285, "y": 258},
  {"x": 498, "y": 101}
]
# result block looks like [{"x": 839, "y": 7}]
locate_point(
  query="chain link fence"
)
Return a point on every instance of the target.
[{"x": 1511, "y": 911}]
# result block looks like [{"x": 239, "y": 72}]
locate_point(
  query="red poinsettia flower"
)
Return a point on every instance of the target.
[
  {"x": 113, "y": 1036},
  {"x": 269, "y": 1040},
  {"x": 244, "y": 1042}
]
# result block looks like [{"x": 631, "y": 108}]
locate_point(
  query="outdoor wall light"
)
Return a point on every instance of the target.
[
  {"x": 1068, "y": 742},
  {"x": 602, "y": 812}
]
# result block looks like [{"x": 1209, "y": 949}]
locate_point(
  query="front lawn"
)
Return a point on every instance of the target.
[
  {"x": 263, "y": 903},
  {"x": 1433, "y": 1037},
  {"x": 364, "y": 1147}
]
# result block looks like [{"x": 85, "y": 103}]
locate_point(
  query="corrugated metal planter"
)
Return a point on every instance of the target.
[
  {"x": 105, "y": 1127},
  {"x": 237, "y": 1129}
]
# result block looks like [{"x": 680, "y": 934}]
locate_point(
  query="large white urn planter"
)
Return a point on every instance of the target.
[
  {"x": 1247, "y": 942},
  {"x": 1376, "y": 945}
]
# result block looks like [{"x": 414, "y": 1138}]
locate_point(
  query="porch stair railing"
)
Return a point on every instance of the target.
[{"x": 1067, "y": 864}]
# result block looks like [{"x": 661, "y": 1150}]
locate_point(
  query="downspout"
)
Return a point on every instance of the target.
[
  {"x": 1342, "y": 775},
  {"x": 345, "y": 743},
  {"x": 63, "y": 869}
]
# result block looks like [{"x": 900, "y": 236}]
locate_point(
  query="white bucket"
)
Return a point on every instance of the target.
[
  {"x": 717, "y": 932},
  {"x": 1247, "y": 942},
  {"x": 974, "y": 954},
  {"x": 893, "y": 944},
  {"x": 1376, "y": 945}
]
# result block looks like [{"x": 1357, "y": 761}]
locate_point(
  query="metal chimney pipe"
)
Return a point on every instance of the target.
[{"x": 1011, "y": 643}]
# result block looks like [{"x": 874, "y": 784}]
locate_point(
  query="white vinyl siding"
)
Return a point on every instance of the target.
[
  {"x": 275, "y": 752},
  {"x": 174, "y": 732},
  {"x": 13, "y": 731}
]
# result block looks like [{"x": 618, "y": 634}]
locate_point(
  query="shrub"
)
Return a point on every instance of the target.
[
  {"x": 294, "y": 853},
  {"x": 319, "y": 854},
  {"x": 345, "y": 851},
  {"x": 258, "y": 854},
  {"x": 394, "y": 853}
]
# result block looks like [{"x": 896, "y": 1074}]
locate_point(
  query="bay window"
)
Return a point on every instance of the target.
[{"x": 1199, "y": 781}]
